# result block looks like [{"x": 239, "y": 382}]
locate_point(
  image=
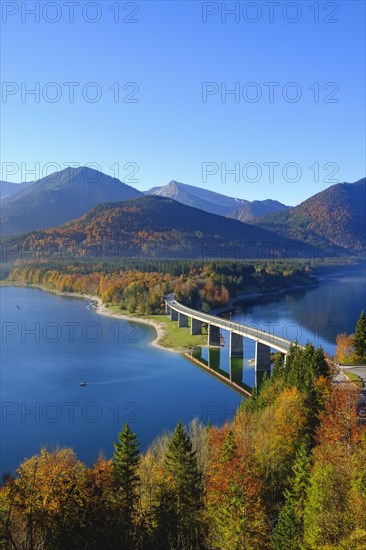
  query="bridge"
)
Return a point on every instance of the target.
[{"x": 264, "y": 341}]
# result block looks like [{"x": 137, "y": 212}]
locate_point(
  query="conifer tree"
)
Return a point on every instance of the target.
[
  {"x": 126, "y": 479},
  {"x": 184, "y": 480},
  {"x": 288, "y": 532},
  {"x": 277, "y": 367},
  {"x": 360, "y": 338}
]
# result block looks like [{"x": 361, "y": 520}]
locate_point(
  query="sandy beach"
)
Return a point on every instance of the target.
[{"x": 102, "y": 309}]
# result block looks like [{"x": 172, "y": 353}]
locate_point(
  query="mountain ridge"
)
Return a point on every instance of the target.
[
  {"x": 211, "y": 201},
  {"x": 60, "y": 197}
]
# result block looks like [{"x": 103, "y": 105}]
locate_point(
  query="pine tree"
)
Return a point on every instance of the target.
[
  {"x": 288, "y": 532},
  {"x": 184, "y": 480},
  {"x": 360, "y": 338},
  {"x": 125, "y": 463},
  {"x": 277, "y": 367}
]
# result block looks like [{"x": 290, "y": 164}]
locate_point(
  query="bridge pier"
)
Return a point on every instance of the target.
[
  {"x": 236, "y": 345},
  {"x": 196, "y": 326},
  {"x": 262, "y": 356},
  {"x": 213, "y": 335},
  {"x": 167, "y": 309},
  {"x": 262, "y": 362},
  {"x": 182, "y": 320},
  {"x": 173, "y": 315}
]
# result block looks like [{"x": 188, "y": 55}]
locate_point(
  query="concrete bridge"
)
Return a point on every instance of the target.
[{"x": 264, "y": 341}]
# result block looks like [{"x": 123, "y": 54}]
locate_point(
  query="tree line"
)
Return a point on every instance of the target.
[{"x": 139, "y": 287}]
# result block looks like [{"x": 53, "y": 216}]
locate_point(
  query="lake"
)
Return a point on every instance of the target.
[{"x": 51, "y": 343}]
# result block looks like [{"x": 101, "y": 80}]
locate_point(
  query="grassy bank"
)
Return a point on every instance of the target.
[
  {"x": 175, "y": 337},
  {"x": 354, "y": 378}
]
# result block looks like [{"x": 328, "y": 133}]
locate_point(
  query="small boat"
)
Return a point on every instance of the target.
[{"x": 83, "y": 384}]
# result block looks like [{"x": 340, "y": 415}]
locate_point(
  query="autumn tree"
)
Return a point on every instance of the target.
[
  {"x": 235, "y": 511},
  {"x": 336, "y": 489},
  {"x": 46, "y": 501},
  {"x": 345, "y": 351},
  {"x": 280, "y": 428}
]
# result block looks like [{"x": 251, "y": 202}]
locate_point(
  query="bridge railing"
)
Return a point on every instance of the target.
[{"x": 229, "y": 325}]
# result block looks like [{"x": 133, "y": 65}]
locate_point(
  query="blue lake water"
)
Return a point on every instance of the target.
[{"x": 51, "y": 343}]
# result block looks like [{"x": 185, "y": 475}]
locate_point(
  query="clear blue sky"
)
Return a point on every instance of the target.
[{"x": 170, "y": 132}]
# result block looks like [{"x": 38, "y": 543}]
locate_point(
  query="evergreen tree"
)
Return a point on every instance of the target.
[
  {"x": 304, "y": 366},
  {"x": 360, "y": 338},
  {"x": 126, "y": 479},
  {"x": 277, "y": 366},
  {"x": 288, "y": 532},
  {"x": 184, "y": 480}
]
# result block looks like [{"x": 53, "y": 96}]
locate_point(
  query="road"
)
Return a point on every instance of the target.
[{"x": 359, "y": 370}]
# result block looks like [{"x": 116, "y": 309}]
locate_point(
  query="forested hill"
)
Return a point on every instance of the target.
[
  {"x": 153, "y": 226},
  {"x": 334, "y": 219}
]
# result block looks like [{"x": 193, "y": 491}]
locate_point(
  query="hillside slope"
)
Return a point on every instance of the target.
[
  {"x": 334, "y": 219},
  {"x": 153, "y": 226}
]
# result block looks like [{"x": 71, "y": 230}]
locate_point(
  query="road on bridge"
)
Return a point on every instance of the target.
[{"x": 281, "y": 344}]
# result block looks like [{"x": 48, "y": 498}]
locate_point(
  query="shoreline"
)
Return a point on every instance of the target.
[{"x": 102, "y": 309}]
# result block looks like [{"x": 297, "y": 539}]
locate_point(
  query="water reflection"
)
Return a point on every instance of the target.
[{"x": 316, "y": 314}]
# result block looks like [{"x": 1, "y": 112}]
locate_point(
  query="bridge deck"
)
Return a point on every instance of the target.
[{"x": 281, "y": 344}]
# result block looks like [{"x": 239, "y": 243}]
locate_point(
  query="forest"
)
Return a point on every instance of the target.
[
  {"x": 139, "y": 286},
  {"x": 287, "y": 473}
]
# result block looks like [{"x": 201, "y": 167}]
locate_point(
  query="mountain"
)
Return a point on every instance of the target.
[
  {"x": 216, "y": 203},
  {"x": 334, "y": 219},
  {"x": 60, "y": 197},
  {"x": 8, "y": 188},
  {"x": 257, "y": 208},
  {"x": 153, "y": 226}
]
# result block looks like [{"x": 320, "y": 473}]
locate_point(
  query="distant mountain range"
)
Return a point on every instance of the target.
[
  {"x": 256, "y": 209},
  {"x": 8, "y": 188},
  {"x": 58, "y": 198},
  {"x": 152, "y": 226},
  {"x": 332, "y": 220},
  {"x": 216, "y": 203}
]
